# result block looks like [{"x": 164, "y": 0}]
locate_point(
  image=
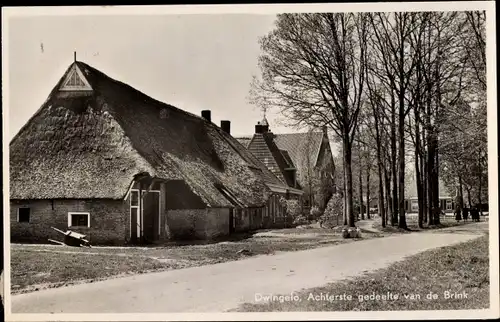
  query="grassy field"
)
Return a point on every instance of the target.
[
  {"x": 461, "y": 269},
  {"x": 35, "y": 267}
]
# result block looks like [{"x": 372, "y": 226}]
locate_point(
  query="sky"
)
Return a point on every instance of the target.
[{"x": 193, "y": 62}]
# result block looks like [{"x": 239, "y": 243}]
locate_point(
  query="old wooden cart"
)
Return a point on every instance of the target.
[{"x": 72, "y": 238}]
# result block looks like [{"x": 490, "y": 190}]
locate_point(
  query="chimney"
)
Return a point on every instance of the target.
[
  {"x": 226, "y": 126},
  {"x": 206, "y": 114},
  {"x": 258, "y": 128}
]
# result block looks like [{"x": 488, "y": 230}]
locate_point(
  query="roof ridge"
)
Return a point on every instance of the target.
[
  {"x": 278, "y": 134},
  {"x": 163, "y": 104},
  {"x": 297, "y": 133}
]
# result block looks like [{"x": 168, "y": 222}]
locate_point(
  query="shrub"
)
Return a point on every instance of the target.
[
  {"x": 333, "y": 214},
  {"x": 315, "y": 213},
  {"x": 294, "y": 211}
]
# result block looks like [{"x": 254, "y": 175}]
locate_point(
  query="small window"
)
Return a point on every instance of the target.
[
  {"x": 78, "y": 219},
  {"x": 134, "y": 198},
  {"x": 23, "y": 214}
]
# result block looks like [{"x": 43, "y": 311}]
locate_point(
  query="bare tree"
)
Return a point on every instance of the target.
[
  {"x": 393, "y": 37},
  {"x": 315, "y": 67},
  {"x": 311, "y": 69},
  {"x": 376, "y": 119},
  {"x": 475, "y": 45}
]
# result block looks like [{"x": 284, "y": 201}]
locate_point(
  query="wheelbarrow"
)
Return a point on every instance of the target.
[{"x": 72, "y": 238}]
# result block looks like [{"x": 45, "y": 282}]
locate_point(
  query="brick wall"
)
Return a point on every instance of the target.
[
  {"x": 217, "y": 222},
  {"x": 242, "y": 220},
  {"x": 197, "y": 223},
  {"x": 109, "y": 220},
  {"x": 181, "y": 223}
]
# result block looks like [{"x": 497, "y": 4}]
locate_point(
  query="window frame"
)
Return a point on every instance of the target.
[
  {"x": 131, "y": 206},
  {"x": 70, "y": 219},
  {"x": 29, "y": 217},
  {"x": 448, "y": 202}
]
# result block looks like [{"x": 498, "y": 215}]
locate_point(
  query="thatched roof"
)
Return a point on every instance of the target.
[
  {"x": 244, "y": 140},
  {"x": 91, "y": 145}
]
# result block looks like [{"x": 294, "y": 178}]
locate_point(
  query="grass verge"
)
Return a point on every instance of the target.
[
  {"x": 461, "y": 269},
  {"x": 35, "y": 267},
  {"x": 412, "y": 224}
]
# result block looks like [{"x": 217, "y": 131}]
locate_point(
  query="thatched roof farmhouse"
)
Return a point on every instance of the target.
[{"x": 103, "y": 158}]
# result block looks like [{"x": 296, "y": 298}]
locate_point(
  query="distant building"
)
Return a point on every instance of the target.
[
  {"x": 108, "y": 161},
  {"x": 301, "y": 160},
  {"x": 446, "y": 199}
]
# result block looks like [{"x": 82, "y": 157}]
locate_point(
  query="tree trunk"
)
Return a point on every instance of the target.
[
  {"x": 394, "y": 215},
  {"x": 402, "y": 157},
  {"x": 348, "y": 168},
  {"x": 417, "y": 168},
  {"x": 417, "y": 108},
  {"x": 388, "y": 193},
  {"x": 469, "y": 200},
  {"x": 368, "y": 170},
  {"x": 394, "y": 176},
  {"x": 430, "y": 181},
  {"x": 419, "y": 190},
  {"x": 432, "y": 191},
  {"x": 461, "y": 192},
  {"x": 361, "y": 213},
  {"x": 425, "y": 209},
  {"x": 436, "y": 130},
  {"x": 431, "y": 165},
  {"x": 425, "y": 173},
  {"x": 345, "y": 192},
  {"x": 437, "y": 201},
  {"x": 480, "y": 188},
  {"x": 381, "y": 206}
]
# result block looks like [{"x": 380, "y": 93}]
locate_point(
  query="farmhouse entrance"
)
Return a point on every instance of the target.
[
  {"x": 144, "y": 215},
  {"x": 151, "y": 215}
]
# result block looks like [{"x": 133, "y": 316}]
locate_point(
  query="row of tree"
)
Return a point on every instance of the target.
[{"x": 394, "y": 88}]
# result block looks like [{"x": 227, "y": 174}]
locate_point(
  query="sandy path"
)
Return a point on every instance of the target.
[{"x": 220, "y": 287}]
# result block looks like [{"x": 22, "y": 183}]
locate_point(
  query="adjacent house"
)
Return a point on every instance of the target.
[
  {"x": 108, "y": 161},
  {"x": 303, "y": 161},
  {"x": 446, "y": 199}
]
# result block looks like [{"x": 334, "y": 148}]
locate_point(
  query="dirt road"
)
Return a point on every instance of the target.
[{"x": 220, "y": 287}]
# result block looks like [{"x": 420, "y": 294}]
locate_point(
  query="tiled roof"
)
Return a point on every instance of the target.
[
  {"x": 300, "y": 145},
  {"x": 263, "y": 147}
]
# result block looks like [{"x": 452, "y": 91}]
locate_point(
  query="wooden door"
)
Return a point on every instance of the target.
[{"x": 151, "y": 215}]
